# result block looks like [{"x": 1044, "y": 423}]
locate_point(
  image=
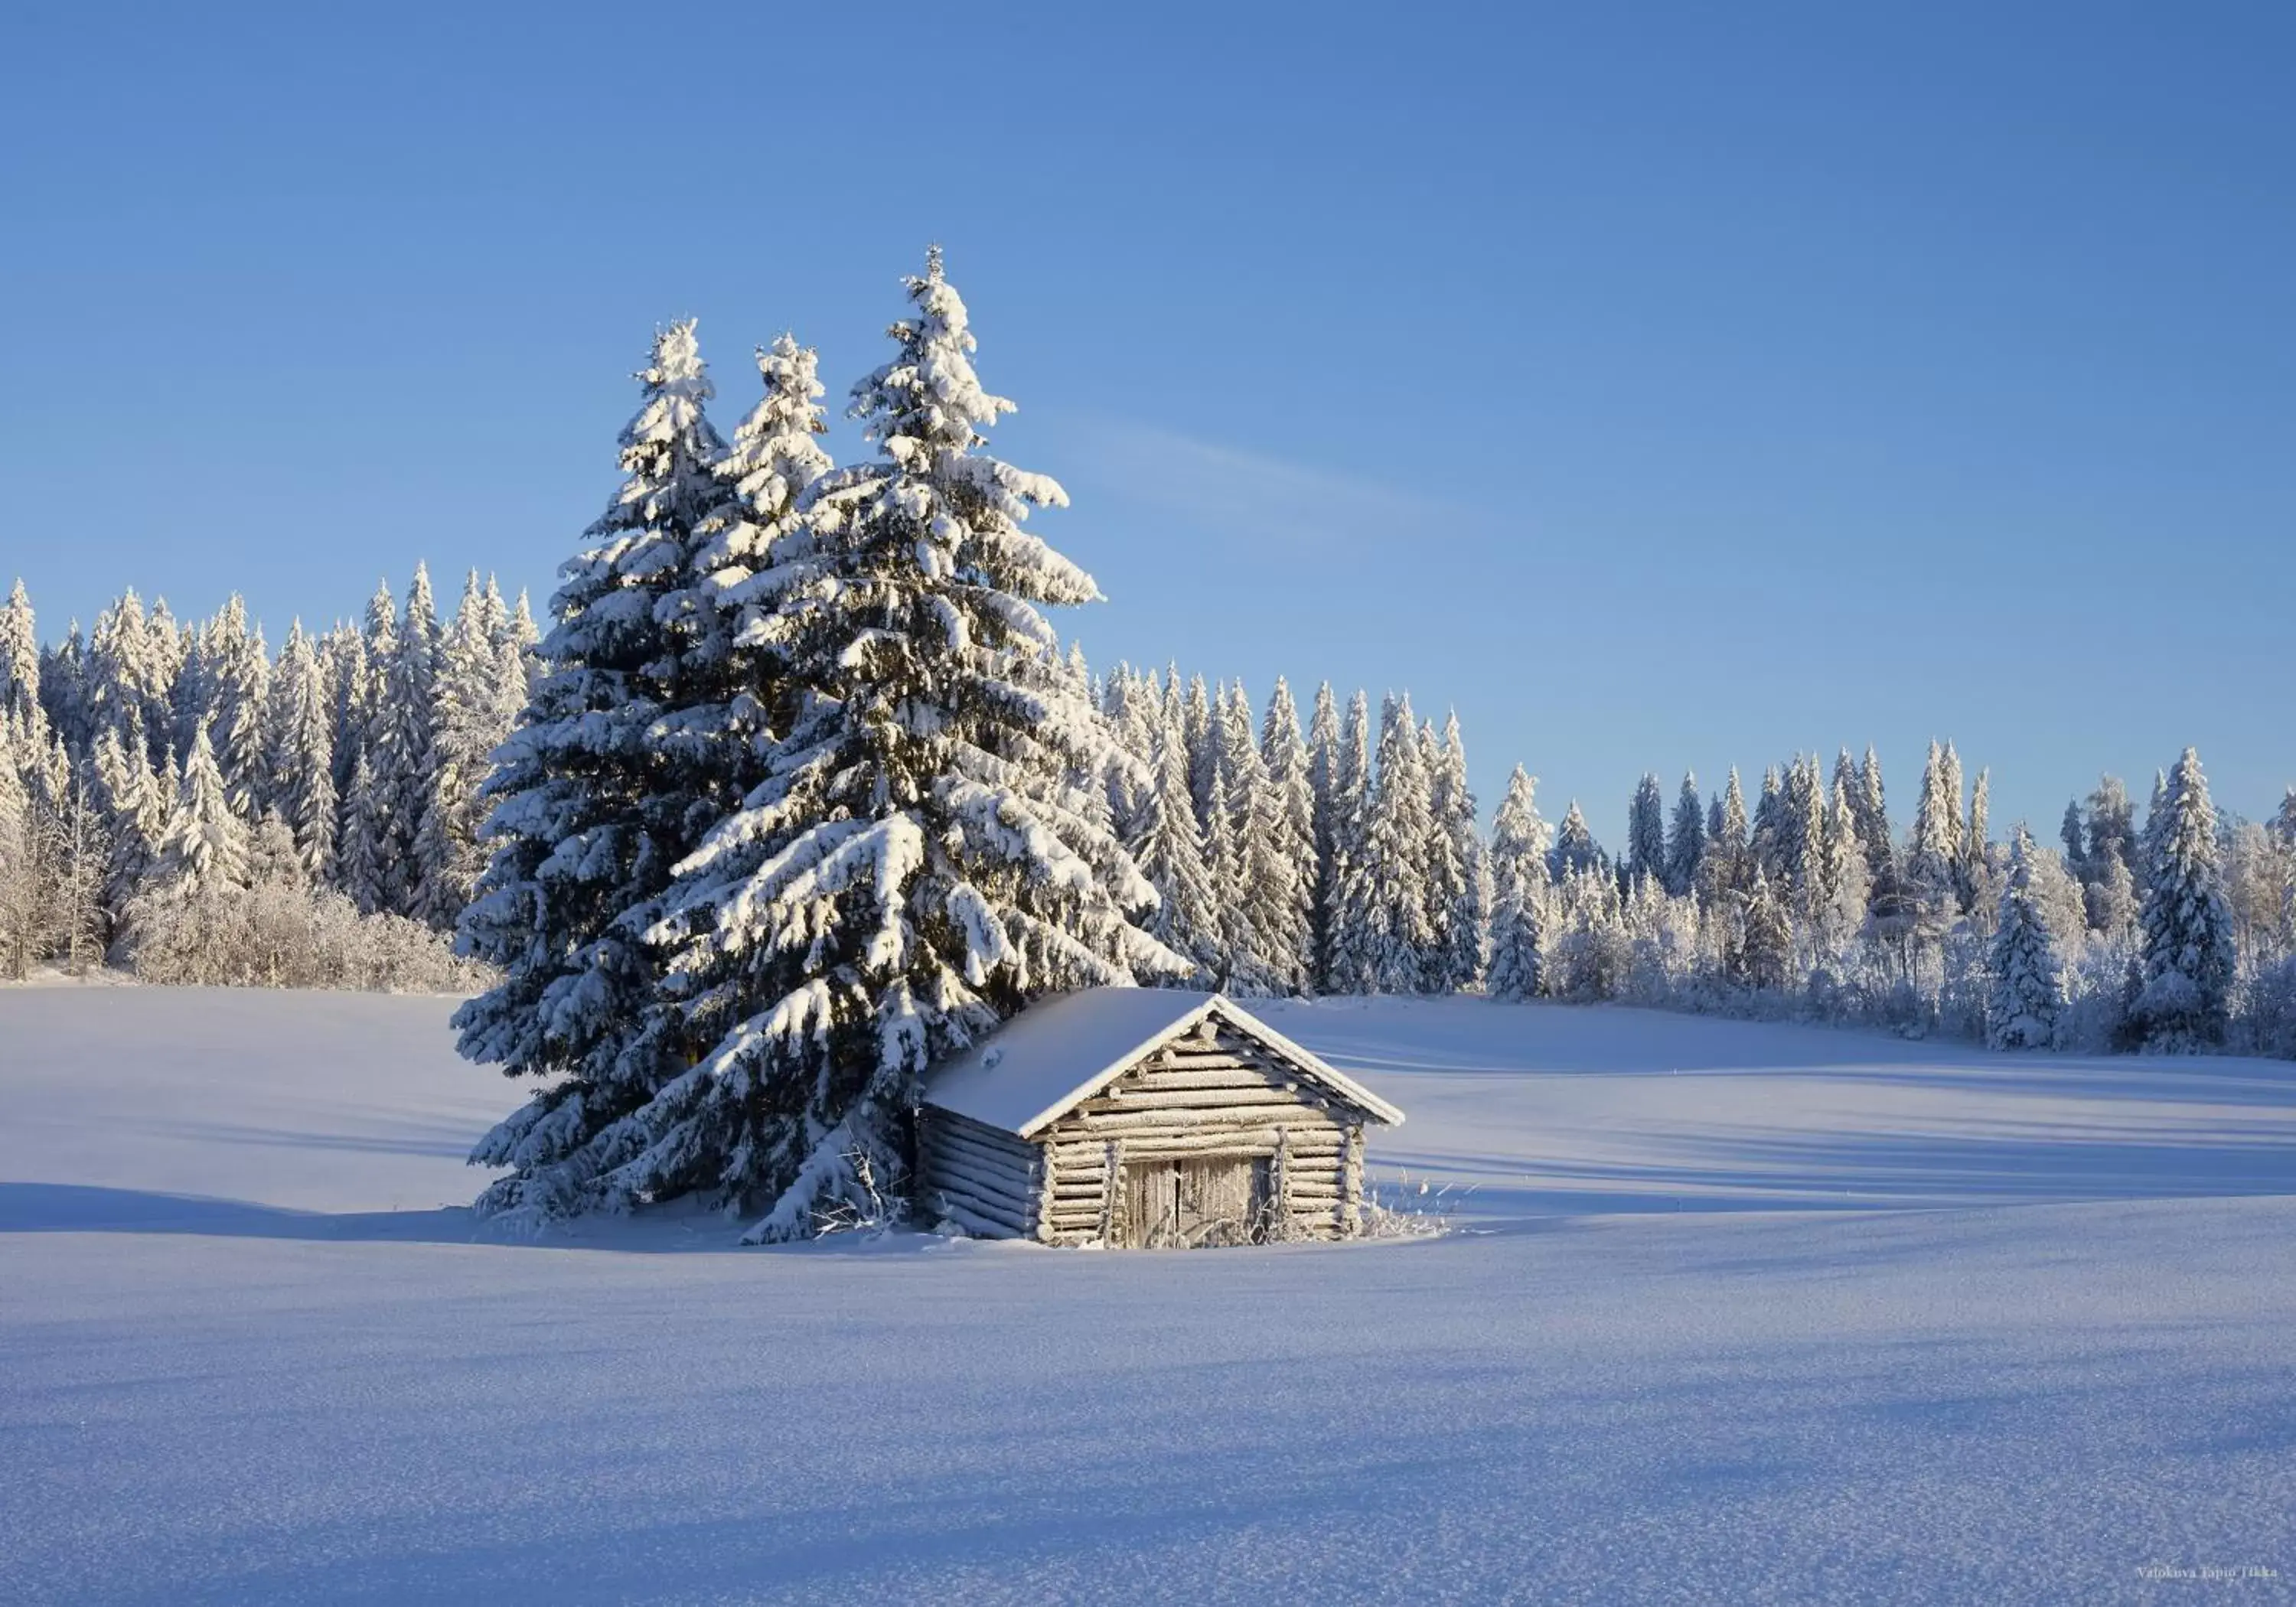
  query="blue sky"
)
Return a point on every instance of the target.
[{"x": 1663, "y": 387}]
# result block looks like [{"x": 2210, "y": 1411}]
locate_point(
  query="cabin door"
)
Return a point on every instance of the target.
[{"x": 1174, "y": 1204}]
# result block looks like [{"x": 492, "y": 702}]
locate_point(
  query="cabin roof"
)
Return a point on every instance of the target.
[{"x": 1062, "y": 1050}]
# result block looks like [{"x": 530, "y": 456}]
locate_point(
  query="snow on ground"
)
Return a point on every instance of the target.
[{"x": 2037, "y": 1340}]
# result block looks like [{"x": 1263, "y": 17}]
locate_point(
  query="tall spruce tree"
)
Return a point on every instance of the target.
[
  {"x": 2187, "y": 954},
  {"x": 1323, "y": 779},
  {"x": 20, "y": 659},
  {"x": 1168, "y": 847},
  {"x": 1685, "y": 842},
  {"x": 2028, "y": 996},
  {"x": 205, "y": 844},
  {"x": 1519, "y": 892},
  {"x": 1575, "y": 849},
  {"x": 1396, "y": 846},
  {"x": 1646, "y": 830},
  {"x": 1460, "y": 891},
  {"x": 1353, "y": 916},
  {"x": 919, "y": 862},
  {"x": 1291, "y": 783},
  {"x": 582, "y": 833},
  {"x": 301, "y": 788}
]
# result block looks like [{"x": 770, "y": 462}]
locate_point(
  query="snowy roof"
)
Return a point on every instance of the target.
[{"x": 1062, "y": 1050}]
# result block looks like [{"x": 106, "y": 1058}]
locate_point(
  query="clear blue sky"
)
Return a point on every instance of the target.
[{"x": 1663, "y": 387}]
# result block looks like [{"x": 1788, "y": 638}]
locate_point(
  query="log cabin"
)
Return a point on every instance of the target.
[{"x": 1143, "y": 1117}]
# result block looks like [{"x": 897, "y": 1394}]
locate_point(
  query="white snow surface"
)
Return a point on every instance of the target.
[
  {"x": 2037, "y": 1339},
  {"x": 1062, "y": 1050}
]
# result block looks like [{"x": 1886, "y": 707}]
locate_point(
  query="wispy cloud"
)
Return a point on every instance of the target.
[{"x": 1243, "y": 495}]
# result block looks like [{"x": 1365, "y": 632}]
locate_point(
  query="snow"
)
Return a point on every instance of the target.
[
  {"x": 1061, "y": 1051},
  {"x": 246, "y": 1357}
]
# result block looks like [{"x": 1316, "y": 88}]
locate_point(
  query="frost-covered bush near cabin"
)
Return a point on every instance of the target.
[{"x": 1404, "y": 1207}]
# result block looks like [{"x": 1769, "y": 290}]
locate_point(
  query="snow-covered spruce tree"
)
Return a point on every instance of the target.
[
  {"x": 1353, "y": 916},
  {"x": 1169, "y": 848},
  {"x": 919, "y": 862},
  {"x": 1458, "y": 882},
  {"x": 1765, "y": 951},
  {"x": 1575, "y": 849},
  {"x": 20, "y": 947},
  {"x": 300, "y": 789},
  {"x": 205, "y": 842},
  {"x": 2072, "y": 831},
  {"x": 403, "y": 754},
  {"x": 583, "y": 832},
  {"x": 1196, "y": 715},
  {"x": 1724, "y": 871},
  {"x": 1874, "y": 828},
  {"x": 2187, "y": 954},
  {"x": 1646, "y": 830},
  {"x": 64, "y": 690},
  {"x": 1973, "y": 875},
  {"x": 1292, "y": 789},
  {"x": 129, "y": 796},
  {"x": 2028, "y": 985},
  {"x": 1934, "y": 848},
  {"x": 1847, "y": 881},
  {"x": 1519, "y": 892},
  {"x": 366, "y": 842},
  {"x": 129, "y": 676},
  {"x": 1685, "y": 841},
  {"x": 468, "y": 723},
  {"x": 342, "y": 663},
  {"x": 1396, "y": 844},
  {"x": 234, "y": 673},
  {"x": 1765, "y": 840},
  {"x": 736, "y": 689},
  {"x": 1267, "y": 891},
  {"x": 20, "y": 659},
  {"x": 1323, "y": 780}
]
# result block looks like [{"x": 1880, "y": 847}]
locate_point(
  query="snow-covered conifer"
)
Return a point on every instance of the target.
[
  {"x": 1726, "y": 872},
  {"x": 1353, "y": 917},
  {"x": 1575, "y": 849},
  {"x": 1458, "y": 880},
  {"x": 1323, "y": 778},
  {"x": 1872, "y": 803},
  {"x": 300, "y": 789},
  {"x": 583, "y": 836},
  {"x": 1519, "y": 892},
  {"x": 1196, "y": 716},
  {"x": 1766, "y": 940},
  {"x": 1291, "y": 790},
  {"x": 64, "y": 690},
  {"x": 205, "y": 842},
  {"x": 133, "y": 812},
  {"x": 1646, "y": 830},
  {"x": 2028, "y": 988},
  {"x": 1685, "y": 842},
  {"x": 1168, "y": 847},
  {"x": 2188, "y": 952},
  {"x": 20, "y": 659},
  {"x": 1396, "y": 843},
  {"x": 467, "y": 725},
  {"x": 1262, "y": 880},
  {"x": 1934, "y": 848},
  {"x": 920, "y": 862}
]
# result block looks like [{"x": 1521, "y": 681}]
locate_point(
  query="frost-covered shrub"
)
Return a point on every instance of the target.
[
  {"x": 2266, "y": 1021},
  {"x": 281, "y": 934}
]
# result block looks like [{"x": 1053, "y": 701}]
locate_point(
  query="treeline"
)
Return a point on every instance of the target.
[
  {"x": 175, "y": 799},
  {"x": 1307, "y": 862}
]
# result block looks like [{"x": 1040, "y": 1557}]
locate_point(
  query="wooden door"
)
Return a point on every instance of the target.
[{"x": 1215, "y": 1199}]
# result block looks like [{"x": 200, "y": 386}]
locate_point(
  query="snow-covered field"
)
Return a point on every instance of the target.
[{"x": 1735, "y": 1313}]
